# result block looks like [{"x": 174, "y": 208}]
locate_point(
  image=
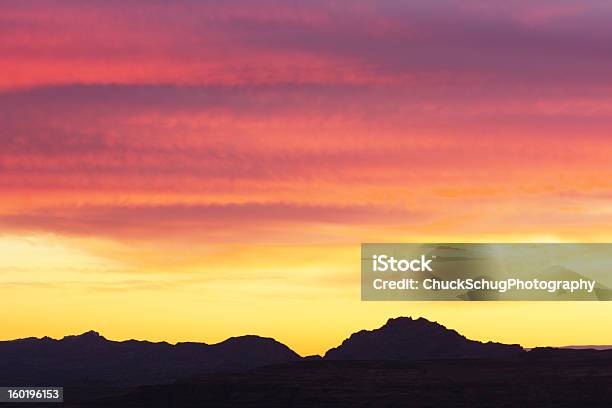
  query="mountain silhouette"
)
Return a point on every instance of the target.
[
  {"x": 90, "y": 358},
  {"x": 413, "y": 356},
  {"x": 405, "y": 339}
]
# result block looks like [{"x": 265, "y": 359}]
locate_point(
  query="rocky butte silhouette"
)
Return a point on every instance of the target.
[{"x": 405, "y": 339}]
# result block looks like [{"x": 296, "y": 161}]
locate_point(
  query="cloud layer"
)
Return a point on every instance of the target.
[{"x": 160, "y": 160}]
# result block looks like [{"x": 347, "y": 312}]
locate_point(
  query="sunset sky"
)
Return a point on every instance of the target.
[{"x": 206, "y": 169}]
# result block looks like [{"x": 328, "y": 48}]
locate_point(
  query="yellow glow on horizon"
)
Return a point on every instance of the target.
[{"x": 304, "y": 296}]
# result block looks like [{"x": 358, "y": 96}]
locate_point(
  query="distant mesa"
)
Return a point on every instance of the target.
[
  {"x": 405, "y": 339},
  {"x": 587, "y": 347}
]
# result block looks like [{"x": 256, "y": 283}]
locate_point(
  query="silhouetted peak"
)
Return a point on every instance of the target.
[
  {"x": 89, "y": 336},
  {"x": 249, "y": 339},
  {"x": 407, "y": 326},
  {"x": 404, "y": 321},
  {"x": 254, "y": 343},
  {"x": 405, "y": 338}
]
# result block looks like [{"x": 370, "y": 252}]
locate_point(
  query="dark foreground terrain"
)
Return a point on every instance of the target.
[
  {"x": 405, "y": 363},
  {"x": 541, "y": 378}
]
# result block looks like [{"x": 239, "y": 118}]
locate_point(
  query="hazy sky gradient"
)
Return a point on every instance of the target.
[{"x": 206, "y": 169}]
